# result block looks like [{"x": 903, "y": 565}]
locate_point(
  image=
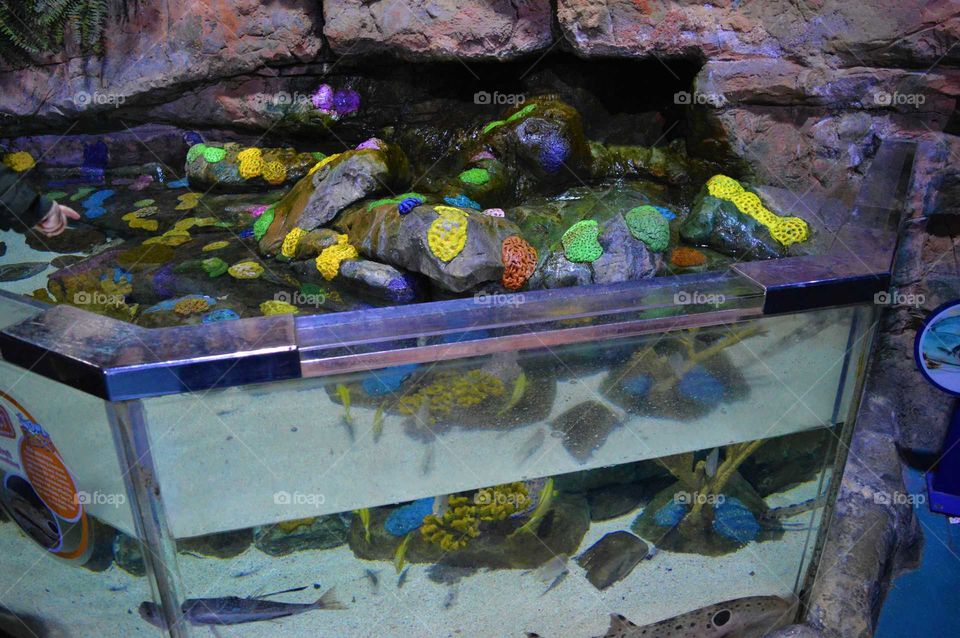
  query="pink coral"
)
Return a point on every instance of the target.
[{"x": 373, "y": 144}]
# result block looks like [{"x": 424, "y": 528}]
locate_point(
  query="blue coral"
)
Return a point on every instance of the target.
[
  {"x": 408, "y": 205},
  {"x": 732, "y": 519},
  {"x": 462, "y": 201},
  {"x": 246, "y": 233},
  {"x": 192, "y": 138},
  {"x": 93, "y": 205},
  {"x": 553, "y": 154},
  {"x": 402, "y": 289},
  {"x": 666, "y": 212},
  {"x": 670, "y": 514},
  {"x": 408, "y": 518},
  {"x": 388, "y": 380},
  {"x": 180, "y": 183},
  {"x": 701, "y": 386},
  {"x": 223, "y": 314},
  {"x": 346, "y": 102}
]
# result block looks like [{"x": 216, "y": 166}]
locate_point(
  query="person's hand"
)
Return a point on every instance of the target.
[{"x": 55, "y": 221}]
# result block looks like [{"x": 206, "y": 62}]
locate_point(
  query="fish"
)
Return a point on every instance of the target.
[
  {"x": 451, "y": 598},
  {"x": 233, "y": 610},
  {"x": 364, "y": 514},
  {"x": 531, "y": 445},
  {"x": 519, "y": 388},
  {"x": 378, "y": 422},
  {"x": 750, "y": 617},
  {"x": 24, "y": 270},
  {"x": 373, "y": 577},
  {"x": 713, "y": 460},
  {"x": 428, "y": 460},
  {"x": 543, "y": 506},
  {"x": 400, "y": 557},
  {"x": 403, "y": 578},
  {"x": 343, "y": 392},
  {"x": 552, "y": 572},
  {"x": 792, "y": 510}
]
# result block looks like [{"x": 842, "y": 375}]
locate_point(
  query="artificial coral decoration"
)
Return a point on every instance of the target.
[
  {"x": 323, "y": 162},
  {"x": 190, "y": 306},
  {"x": 289, "y": 247},
  {"x": 461, "y": 521},
  {"x": 214, "y": 154},
  {"x": 453, "y": 390},
  {"x": 215, "y": 245},
  {"x": 20, "y": 161},
  {"x": 251, "y": 162},
  {"x": 276, "y": 307},
  {"x": 649, "y": 226},
  {"x": 580, "y": 242},
  {"x": 785, "y": 230},
  {"x": 475, "y": 176},
  {"x": 245, "y": 270},
  {"x": 328, "y": 263},
  {"x": 263, "y": 223},
  {"x": 519, "y": 262},
  {"x": 275, "y": 173},
  {"x": 686, "y": 257},
  {"x": 447, "y": 234}
]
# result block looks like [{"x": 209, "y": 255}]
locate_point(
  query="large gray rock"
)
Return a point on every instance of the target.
[
  {"x": 624, "y": 258},
  {"x": 718, "y": 224},
  {"x": 383, "y": 235},
  {"x": 316, "y": 199},
  {"x": 367, "y": 277},
  {"x": 559, "y": 272},
  {"x": 496, "y": 29}
]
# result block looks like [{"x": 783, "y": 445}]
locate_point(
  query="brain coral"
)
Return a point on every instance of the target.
[
  {"x": 475, "y": 176},
  {"x": 20, "y": 161},
  {"x": 785, "y": 230},
  {"x": 195, "y": 151},
  {"x": 686, "y": 257},
  {"x": 276, "y": 307},
  {"x": 580, "y": 241},
  {"x": 190, "y": 306},
  {"x": 289, "y": 247},
  {"x": 245, "y": 270},
  {"x": 275, "y": 172},
  {"x": 408, "y": 204},
  {"x": 328, "y": 263},
  {"x": 251, "y": 162},
  {"x": 519, "y": 262},
  {"x": 649, "y": 226},
  {"x": 447, "y": 234},
  {"x": 214, "y": 154}
]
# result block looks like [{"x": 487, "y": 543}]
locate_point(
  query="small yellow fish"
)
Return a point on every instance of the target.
[
  {"x": 378, "y": 422},
  {"x": 543, "y": 506},
  {"x": 519, "y": 388},
  {"x": 344, "y": 393},
  {"x": 364, "y": 514},
  {"x": 400, "y": 558}
]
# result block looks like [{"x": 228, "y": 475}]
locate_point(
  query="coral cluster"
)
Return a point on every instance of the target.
[
  {"x": 580, "y": 242},
  {"x": 649, "y": 226},
  {"x": 289, "y": 247},
  {"x": 20, "y": 161},
  {"x": 519, "y": 262},
  {"x": 462, "y": 201},
  {"x": 245, "y": 270},
  {"x": 785, "y": 230},
  {"x": 447, "y": 234},
  {"x": 494, "y": 212},
  {"x": 251, "y": 163},
  {"x": 686, "y": 257},
  {"x": 328, "y": 263},
  {"x": 453, "y": 389},
  {"x": 461, "y": 522}
]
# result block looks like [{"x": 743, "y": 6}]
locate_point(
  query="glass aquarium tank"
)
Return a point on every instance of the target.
[{"x": 559, "y": 384}]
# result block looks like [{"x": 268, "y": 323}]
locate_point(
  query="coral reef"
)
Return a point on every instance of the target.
[
  {"x": 519, "y": 262},
  {"x": 580, "y": 243},
  {"x": 785, "y": 230},
  {"x": 447, "y": 234},
  {"x": 328, "y": 262},
  {"x": 649, "y": 226}
]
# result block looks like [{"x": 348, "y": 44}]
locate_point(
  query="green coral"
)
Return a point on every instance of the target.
[
  {"x": 263, "y": 223},
  {"x": 492, "y": 125},
  {"x": 195, "y": 151},
  {"x": 214, "y": 154},
  {"x": 393, "y": 200},
  {"x": 649, "y": 226},
  {"x": 214, "y": 266},
  {"x": 318, "y": 155},
  {"x": 580, "y": 242},
  {"x": 525, "y": 111},
  {"x": 475, "y": 176}
]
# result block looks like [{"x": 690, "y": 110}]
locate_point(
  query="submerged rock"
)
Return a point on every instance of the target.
[
  {"x": 585, "y": 427},
  {"x": 612, "y": 558},
  {"x": 224, "y": 545},
  {"x": 559, "y": 272},
  {"x": 322, "y": 532},
  {"x": 624, "y": 258},
  {"x": 718, "y": 223},
  {"x": 367, "y": 278}
]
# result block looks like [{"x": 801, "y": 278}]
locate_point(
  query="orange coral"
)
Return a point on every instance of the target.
[
  {"x": 685, "y": 257},
  {"x": 519, "y": 262}
]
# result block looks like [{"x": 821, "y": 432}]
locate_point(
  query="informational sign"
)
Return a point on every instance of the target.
[
  {"x": 937, "y": 347},
  {"x": 38, "y": 492}
]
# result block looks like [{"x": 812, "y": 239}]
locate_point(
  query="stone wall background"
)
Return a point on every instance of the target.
[{"x": 798, "y": 92}]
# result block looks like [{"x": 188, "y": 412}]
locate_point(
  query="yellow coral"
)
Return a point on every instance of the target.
[
  {"x": 135, "y": 220},
  {"x": 188, "y": 201},
  {"x": 461, "y": 522},
  {"x": 251, "y": 162},
  {"x": 501, "y": 501},
  {"x": 245, "y": 270},
  {"x": 289, "y": 247},
  {"x": 173, "y": 238},
  {"x": 447, "y": 234},
  {"x": 190, "y": 306},
  {"x": 187, "y": 223},
  {"x": 275, "y": 172},
  {"x": 328, "y": 263},
  {"x": 326, "y": 160},
  {"x": 785, "y": 230},
  {"x": 20, "y": 161},
  {"x": 453, "y": 389},
  {"x": 276, "y": 307},
  {"x": 215, "y": 245}
]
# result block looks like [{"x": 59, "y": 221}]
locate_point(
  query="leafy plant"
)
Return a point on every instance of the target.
[{"x": 32, "y": 27}]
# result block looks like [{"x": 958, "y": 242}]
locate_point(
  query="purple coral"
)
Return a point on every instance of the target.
[
  {"x": 259, "y": 210},
  {"x": 346, "y": 102},
  {"x": 322, "y": 98},
  {"x": 373, "y": 144}
]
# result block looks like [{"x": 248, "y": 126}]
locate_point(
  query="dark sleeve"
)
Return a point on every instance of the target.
[{"x": 21, "y": 207}]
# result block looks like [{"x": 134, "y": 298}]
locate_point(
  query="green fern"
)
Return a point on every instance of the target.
[{"x": 32, "y": 27}]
